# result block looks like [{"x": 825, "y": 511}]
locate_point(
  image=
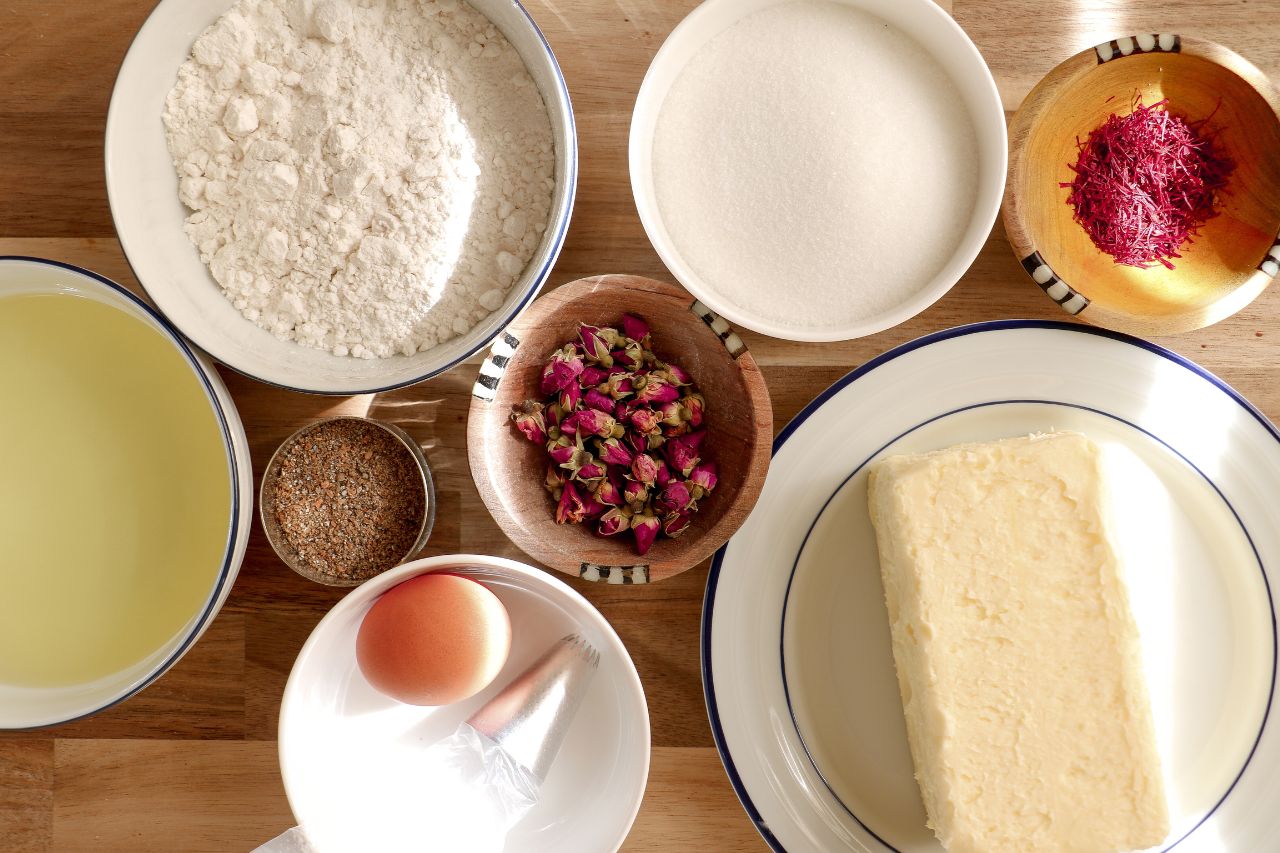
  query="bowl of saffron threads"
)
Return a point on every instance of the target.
[{"x": 1143, "y": 192}]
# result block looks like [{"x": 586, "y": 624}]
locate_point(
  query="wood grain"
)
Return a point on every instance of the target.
[{"x": 190, "y": 764}]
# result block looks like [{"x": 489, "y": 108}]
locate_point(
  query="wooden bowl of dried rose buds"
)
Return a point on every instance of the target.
[{"x": 619, "y": 430}]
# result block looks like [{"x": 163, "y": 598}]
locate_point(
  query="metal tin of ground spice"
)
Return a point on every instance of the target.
[{"x": 347, "y": 498}]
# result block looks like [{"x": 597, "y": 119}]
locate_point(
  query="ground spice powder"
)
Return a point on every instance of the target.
[{"x": 349, "y": 499}]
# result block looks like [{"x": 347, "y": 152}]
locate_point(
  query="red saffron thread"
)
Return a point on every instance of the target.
[{"x": 1145, "y": 183}]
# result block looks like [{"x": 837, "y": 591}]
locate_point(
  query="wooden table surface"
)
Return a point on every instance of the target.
[{"x": 190, "y": 764}]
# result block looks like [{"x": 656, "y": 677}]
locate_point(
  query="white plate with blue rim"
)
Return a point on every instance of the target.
[{"x": 796, "y": 659}]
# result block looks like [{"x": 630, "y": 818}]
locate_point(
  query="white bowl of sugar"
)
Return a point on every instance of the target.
[{"x": 818, "y": 170}]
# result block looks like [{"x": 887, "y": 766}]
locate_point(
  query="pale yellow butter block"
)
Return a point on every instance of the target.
[{"x": 1016, "y": 651}]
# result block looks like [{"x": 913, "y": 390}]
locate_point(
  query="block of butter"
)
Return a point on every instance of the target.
[{"x": 1017, "y": 654}]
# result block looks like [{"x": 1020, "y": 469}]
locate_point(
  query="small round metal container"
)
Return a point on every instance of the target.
[{"x": 286, "y": 552}]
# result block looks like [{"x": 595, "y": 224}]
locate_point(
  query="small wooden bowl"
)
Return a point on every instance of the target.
[
  {"x": 1236, "y": 253},
  {"x": 509, "y": 470}
]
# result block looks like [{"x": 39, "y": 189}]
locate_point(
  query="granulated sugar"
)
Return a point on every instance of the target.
[{"x": 814, "y": 166}]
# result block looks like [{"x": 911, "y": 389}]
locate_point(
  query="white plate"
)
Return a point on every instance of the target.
[
  {"x": 796, "y": 658},
  {"x": 340, "y": 740},
  {"x": 142, "y": 187}
]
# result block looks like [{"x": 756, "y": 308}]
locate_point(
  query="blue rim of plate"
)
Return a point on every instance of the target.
[
  {"x": 540, "y": 280},
  {"x": 713, "y": 576},
  {"x": 233, "y": 535},
  {"x": 1266, "y": 582}
]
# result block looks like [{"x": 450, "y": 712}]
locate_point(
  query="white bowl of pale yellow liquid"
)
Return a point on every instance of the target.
[{"x": 125, "y": 494}]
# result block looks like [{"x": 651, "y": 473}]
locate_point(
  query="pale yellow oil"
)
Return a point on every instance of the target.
[{"x": 114, "y": 491}]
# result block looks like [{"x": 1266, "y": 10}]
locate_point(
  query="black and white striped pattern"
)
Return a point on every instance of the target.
[
  {"x": 1271, "y": 263},
  {"x": 492, "y": 368},
  {"x": 1073, "y": 303},
  {"x": 721, "y": 327},
  {"x": 614, "y": 574},
  {"x": 1145, "y": 43}
]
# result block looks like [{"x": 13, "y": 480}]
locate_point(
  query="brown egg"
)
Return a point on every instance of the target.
[{"x": 433, "y": 640}]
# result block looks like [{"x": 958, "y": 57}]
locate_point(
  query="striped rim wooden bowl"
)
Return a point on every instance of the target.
[
  {"x": 1236, "y": 254},
  {"x": 509, "y": 471}
]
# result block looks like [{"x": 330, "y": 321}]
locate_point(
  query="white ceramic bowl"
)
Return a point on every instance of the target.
[
  {"x": 29, "y": 707},
  {"x": 941, "y": 37},
  {"x": 340, "y": 739},
  {"x": 142, "y": 186}
]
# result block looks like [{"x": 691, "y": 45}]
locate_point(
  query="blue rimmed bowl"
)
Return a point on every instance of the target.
[
  {"x": 30, "y": 707},
  {"x": 142, "y": 186}
]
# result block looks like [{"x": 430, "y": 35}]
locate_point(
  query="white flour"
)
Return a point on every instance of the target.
[
  {"x": 814, "y": 165},
  {"x": 366, "y": 176}
]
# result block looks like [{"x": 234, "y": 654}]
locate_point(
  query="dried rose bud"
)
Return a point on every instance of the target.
[
  {"x": 592, "y": 375},
  {"x": 612, "y": 522},
  {"x": 570, "y": 395},
  {"x": 562, "y": 449},
  {"x": 677, "y": 374},
  {"x": 645, "y": 420},
  {"x": 671, "y": 413},
  {"x": 614, "y": 452},
  {"x": 607, "y": 492},
  {"x": 554, "y": 481},
  {"x": 592, "y": 508},
  {"x": 638, "y": 442},
  {"x": 655, "y": 440},
  {"x": 590, "y": 471},
  {"x": 693, "y": 406},
  {"x": 574, "y": 458},
  {"x": 619, "y": 385},
  {"x": 675, "y": 523},
  {"x": 598, "y": 401},
  {"x": 530, "y": 421},
  {"x": 645, "y": 528},
  {"x": 596, "y": 343},
  {"x": 635, "y": 492},
  {"x": 630, "y": 354},
  {"x": 644, "y": 468},
  {"x": 657, "y": 390},
  {"x": 663, "y": 476},
  {"x": 704, "y": 476},
  {"x": 589, "y": 422},
  {"x": 564, "y": 367},
  {"x": 674, "y": 498},
  {"x": 570, "y": 509},
  {"x": 634, "y": 327},
  {"x": 682, "y": 451}
]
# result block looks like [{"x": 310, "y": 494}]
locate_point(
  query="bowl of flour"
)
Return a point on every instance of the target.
[
  {"x": 818, "y": 170},
  {"x": 340, "y": 196}
]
